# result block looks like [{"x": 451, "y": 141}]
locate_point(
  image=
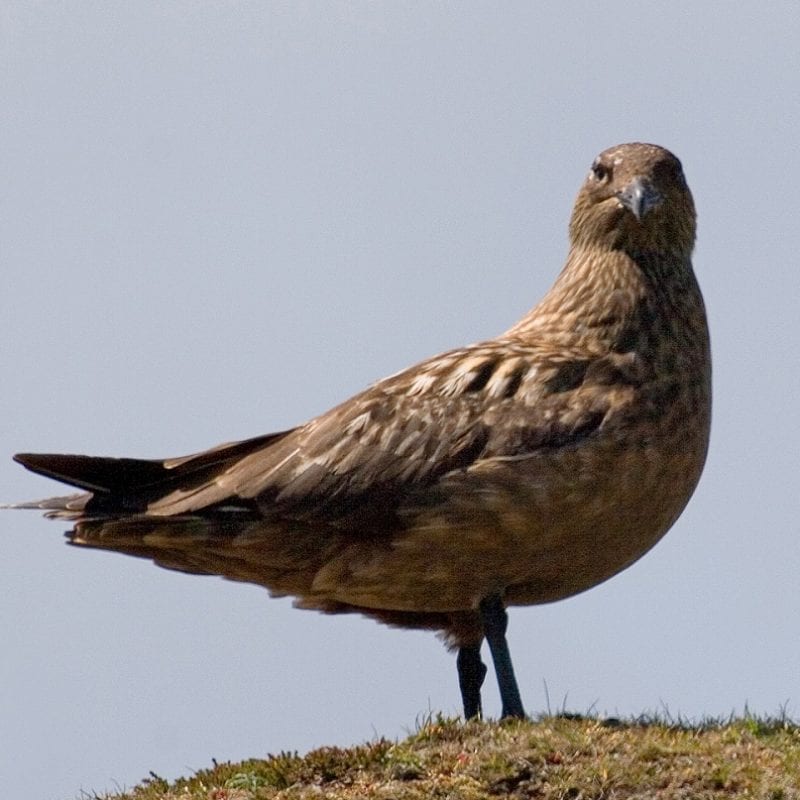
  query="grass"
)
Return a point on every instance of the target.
[{"x": 569, "y": 757}]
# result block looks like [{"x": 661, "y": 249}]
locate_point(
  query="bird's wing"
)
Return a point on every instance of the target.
[{"x": 495, "y": 399}]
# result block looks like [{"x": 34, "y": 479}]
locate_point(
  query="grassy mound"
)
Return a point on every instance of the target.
[{"x": 565, "y": 757}]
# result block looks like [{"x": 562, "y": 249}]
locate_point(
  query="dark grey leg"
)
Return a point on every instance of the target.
[
  {"x": 471, "y": 672},
  {"x": 495, "y": 622}
]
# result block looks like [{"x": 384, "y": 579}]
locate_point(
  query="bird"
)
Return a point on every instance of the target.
[{"x": 516, "y": 471}]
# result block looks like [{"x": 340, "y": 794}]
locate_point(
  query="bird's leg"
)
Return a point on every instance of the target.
[
  {"x": 471, "y": 672},
  {"x": 495, "y": 622}
]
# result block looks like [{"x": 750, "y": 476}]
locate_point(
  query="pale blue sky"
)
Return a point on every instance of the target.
[{"x": 219, "y": 219}]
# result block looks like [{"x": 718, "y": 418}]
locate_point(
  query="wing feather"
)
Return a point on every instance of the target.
[{"x": 494, "y": 399}]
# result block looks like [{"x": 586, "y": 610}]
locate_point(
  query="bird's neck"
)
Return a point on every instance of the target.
[{"x": 601, "y": 293}]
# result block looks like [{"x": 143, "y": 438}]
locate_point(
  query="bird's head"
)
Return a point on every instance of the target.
[{"x": 635, "y": 198}]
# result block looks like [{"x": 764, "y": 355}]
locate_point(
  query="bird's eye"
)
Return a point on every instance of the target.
[{"x": 600, "y": 171}]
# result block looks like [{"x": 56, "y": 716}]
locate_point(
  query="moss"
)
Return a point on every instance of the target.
[{"x": 553, "y": 757}]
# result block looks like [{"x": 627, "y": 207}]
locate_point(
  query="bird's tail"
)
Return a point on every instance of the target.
[{"x": 125, "y": 486}]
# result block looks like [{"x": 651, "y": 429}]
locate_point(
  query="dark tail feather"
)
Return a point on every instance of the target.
[
  {"x": 127, "y": 485},
  {"x": 94, "y": 473}
]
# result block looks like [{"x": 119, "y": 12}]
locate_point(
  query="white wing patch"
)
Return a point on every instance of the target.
[{"x": 466, "y": 370}]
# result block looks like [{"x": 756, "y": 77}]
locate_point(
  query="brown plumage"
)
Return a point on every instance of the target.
[{"x": 515, "y": 471}]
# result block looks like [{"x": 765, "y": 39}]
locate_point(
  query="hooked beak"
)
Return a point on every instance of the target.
[{"x": 639, "y": 197}]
